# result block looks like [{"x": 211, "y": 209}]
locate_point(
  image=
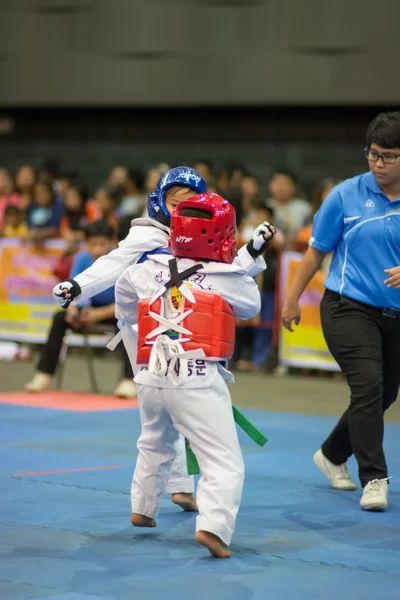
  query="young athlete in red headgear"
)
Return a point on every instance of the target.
[{"x": 180, "y": 309}]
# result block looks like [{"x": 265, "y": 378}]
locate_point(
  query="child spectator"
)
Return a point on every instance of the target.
[
  {"x": 134, "y": 200},
  {"x": 257, "y": 335},
  {"x": 13, "y": 223},
  {"x": 108, "y": 200},
  {"x": 45, "y": 214},
  {"x": 7, "y": 195},
  {"x": 100, "y": 309},
  {"x": 79, "y": 211}
]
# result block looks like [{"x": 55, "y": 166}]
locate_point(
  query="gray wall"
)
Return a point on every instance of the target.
[{"x": 196, "y": 52}]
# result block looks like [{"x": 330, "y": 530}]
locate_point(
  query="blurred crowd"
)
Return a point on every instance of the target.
[{"x": 41, "y": 203}]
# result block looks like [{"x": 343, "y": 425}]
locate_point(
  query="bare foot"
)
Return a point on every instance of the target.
[
  {"x": 142, "y": 521},
  {"x": 186, "y": 501},
  {"x": 215, "y": 545}
]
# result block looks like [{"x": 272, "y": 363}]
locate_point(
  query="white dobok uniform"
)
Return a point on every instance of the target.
[
  {"x": 185, "y": 392},
  {"x": 147, "y": 235}
]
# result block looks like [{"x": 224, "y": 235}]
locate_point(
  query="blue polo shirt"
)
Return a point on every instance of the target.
[
  {"x": 82, "y": 261},
  {"x": 361, "y": 226}
]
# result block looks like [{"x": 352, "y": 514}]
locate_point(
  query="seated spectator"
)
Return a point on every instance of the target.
[
  {"x": 259, "y": 331},
  {"x": 300, "y": 244},
  {"x": 251, "y": 199},
  {"x": 319, "y": 194},
  {"x": 229, "y": 185},
  {"x": 118, "y": 177},
  {"x": 153, "y": 176},
  {"x": 14, "y": 225},
  {"x": 204, "y": 167},
  {"x": 45, "y": 214},
  {"x": 290, "y": 212},
  {"x": 108, "y": 200},
  {"x": 78, "y": 212},
  {"x": 100, "y": 309},
  {"x": 134, "y": 199},
  {"x": 7, "y": 195},
  {"x": 25, "y": 180},
  {"x": 64, "y": 180}
]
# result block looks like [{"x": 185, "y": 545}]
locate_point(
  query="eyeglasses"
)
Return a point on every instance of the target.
[{"x": 387, "y": 157}]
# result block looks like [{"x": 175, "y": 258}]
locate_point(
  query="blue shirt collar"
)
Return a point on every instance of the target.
[{"x": 373, "y": 186}]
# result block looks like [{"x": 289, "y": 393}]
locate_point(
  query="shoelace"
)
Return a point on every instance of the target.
[{"x": 374, "y": 486}]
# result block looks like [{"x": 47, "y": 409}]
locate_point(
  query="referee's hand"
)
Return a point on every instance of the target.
[
  {"x": 290, "y": 312},
  {"x": 394, "y": 277}
]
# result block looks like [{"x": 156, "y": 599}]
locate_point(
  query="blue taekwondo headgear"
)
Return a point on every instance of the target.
[{"x": 182, "y": 176}]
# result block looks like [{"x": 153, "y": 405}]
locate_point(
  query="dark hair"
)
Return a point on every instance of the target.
[
  {"x": 114, "y": 193},
  {"x": 72, "y": 177},
  {"x": 82, "y": 191},
  {"x": 137, "y": 177},
  {"x": 384, "y": 130},
  {"x": 48, "y": 186},
  {"x": 204, "y": 161},
  {"x": 51, "y": 166},
  {"x": 100, "y": 228},
  {"x": 12, "y": 210},
  {"x": 231, "y": 167},
  {"x": 287, "y": 173},
  {"x": 197, "y": 213}
]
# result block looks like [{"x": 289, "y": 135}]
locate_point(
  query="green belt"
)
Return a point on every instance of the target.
[{"x": 244, "y": 423}]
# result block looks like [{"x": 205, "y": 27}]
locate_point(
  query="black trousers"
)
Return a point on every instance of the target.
[
  {"x": 366, "y": 345},
  {"x": 51, "y": 350}
]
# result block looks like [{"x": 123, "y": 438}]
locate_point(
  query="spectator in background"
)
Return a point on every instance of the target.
[
  {"x": 25, "y": 180},
  {"x": 204, "y": 168},
  {"x": 259, "y": 331},
  {"x": 229, "y": 186},
  {"x": 153, "y": 177},
  {"x": 45, "y": 214},
  {"x": 318, "y": 196},
  {"x": 251, "y": 198},
  {"x": 100, "y": 309},
  {"x": 14, "y": 223},
  {"x": 79, "y": 211},
  {"x": 64, "y": 181},
  {"x": 7, "y": 195},
  {"x": 108, "y": 200},
  {"x": 134, "y": 200},
  {"x": 49, "y": 172},
  {"x": 290, "y": 211},
  {"x": 118, "y": 177}
]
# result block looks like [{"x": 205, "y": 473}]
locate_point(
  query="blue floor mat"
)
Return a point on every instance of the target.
[{"x": 67, "y": 536}]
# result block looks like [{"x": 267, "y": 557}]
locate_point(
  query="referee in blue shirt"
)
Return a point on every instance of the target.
[{"x": 360, "y": 312}]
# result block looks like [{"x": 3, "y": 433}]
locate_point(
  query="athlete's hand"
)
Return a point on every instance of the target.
[
  {"x": 65, "y": 292},
  {"x": 290, "y": 312},
  {"x": 394, "y": 279},
  {"x": 260, "y": 239}
]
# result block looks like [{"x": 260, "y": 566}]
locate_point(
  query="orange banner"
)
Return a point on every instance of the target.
[
  {"x": 306, "y": 347},
  {"x": 26, "y": 283}
]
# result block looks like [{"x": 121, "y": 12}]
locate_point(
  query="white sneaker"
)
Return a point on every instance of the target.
[
  {"x": 338, "y": 475},
  {"x": 126, "y": 389},
  {"x": 41, "y": 382},
  {"x": 375, "y": 495}
]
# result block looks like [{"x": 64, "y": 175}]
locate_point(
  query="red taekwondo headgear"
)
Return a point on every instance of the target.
[{"x": 209, "y": 236}]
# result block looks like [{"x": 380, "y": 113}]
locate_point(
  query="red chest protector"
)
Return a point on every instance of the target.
[{"x": 211, "y": 325}]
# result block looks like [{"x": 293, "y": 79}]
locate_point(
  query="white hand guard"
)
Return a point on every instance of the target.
[
  {"x": 69, "y": 287},
  {"x": 258, "y": 243}
]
